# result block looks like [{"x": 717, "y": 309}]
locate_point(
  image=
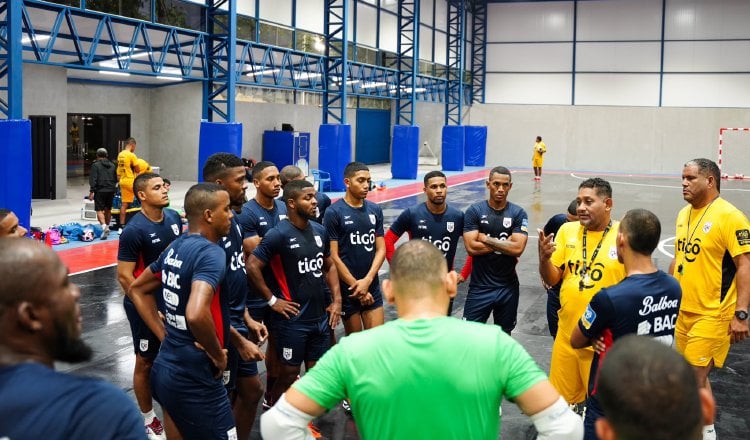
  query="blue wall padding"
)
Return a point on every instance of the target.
[
  {"x": 405, "y": 151},
  {"x": 218, "y": 137},
  {"x": 15, "y": 168},
  {"x": 335, "y": 152},
  {"x": 475, "y": 148},
  {"x": 452, "y": 153}
]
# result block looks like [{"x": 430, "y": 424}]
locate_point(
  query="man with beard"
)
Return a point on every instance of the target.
[
  {"x": 40, "y": 321},
  {"x": 147, "y": 234}
]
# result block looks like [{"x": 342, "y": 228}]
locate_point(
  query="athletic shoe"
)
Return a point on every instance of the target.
[
  {"x": 314, "y": 430},
  {"x": 347, "y": 406},
  {"x": 155, "y": 430},
  {"x": 105, "y": 233}
]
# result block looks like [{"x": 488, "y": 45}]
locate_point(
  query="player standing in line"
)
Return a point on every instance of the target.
[
  {"x": 537, "y": 160},
  {"x": 495, "y": 235},
  {"x": 127, "y": 169},
  {"x": 355, "y": 228},
  {"x": 258, "y": 216},
  {"x": 147, "y": 234},
  {"x": 646, "y": 302},
  {"x": 186, "y": 378},
  {"x": 712, "y": 264},
  {"x": 583, "y": 255},
  {"x": 434, "y": 221},
  {"x": 297, "y": 251},
  {"x": 243, "y": 383}
]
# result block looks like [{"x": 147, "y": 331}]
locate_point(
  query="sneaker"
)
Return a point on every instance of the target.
[
  {"x": 314, "y": 430},
  {"x": 155, "y": 430},
  {"x": 105, "y": 233},
  {"x": 347, "y": 406}
]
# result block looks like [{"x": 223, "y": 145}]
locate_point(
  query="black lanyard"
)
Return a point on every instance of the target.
[
  {"x": 586, "y": 267},
  {"x": 681, "y": 267}
]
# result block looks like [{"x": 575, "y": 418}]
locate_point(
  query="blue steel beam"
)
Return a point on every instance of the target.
[
  {"x": 408, "y": 60},
  {"x": 455, "y": 87},
  {"x": 220, "y": 88},
  {"x": 337, "y": 61},
  {"x": 11, "y": 92},
  {"x": 478, "y": 52}
]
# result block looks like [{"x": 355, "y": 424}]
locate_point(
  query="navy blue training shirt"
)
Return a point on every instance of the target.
[
  {"x": 355, "y": 230},
  {"x": 442, "y": 230}
]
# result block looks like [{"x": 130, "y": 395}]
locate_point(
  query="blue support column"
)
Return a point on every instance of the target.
[
  {"x": 11, "y": 99},
  {"x": 408, "y": 60},
  {"x": 455, "y": 85},
  {"x": 337, "y": 61},
  {"x": 478, "y": 52},
  {"x": 220, "y": 88}
]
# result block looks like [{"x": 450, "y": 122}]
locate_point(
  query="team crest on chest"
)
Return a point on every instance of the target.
[
  {"x": 449, "y": 226},
  {"x": 176, "y": 229},
  {"x": 372, "y": 218},
  {"x": 707, "y": 227},
  {"x": 507, "y": 222},
  {"x": 318, "y": 241}
]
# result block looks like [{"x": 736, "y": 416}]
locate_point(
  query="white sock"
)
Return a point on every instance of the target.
[
  {"x": 149, "y": 416},
  {"x": 709, "y": 433}
]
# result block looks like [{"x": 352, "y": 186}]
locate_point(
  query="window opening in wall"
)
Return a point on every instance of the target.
[{"x": 88, "y": 132}]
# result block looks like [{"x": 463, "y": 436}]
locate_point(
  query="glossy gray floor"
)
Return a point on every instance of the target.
[{"x": 106, "y": 327}]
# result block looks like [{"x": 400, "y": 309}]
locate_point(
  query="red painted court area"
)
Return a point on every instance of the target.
[{"x": 104, "y": 254}]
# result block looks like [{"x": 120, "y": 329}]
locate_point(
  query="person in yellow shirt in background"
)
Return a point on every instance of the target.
[
  {"x": 583, "y": 255},
  {"x": 127, "y": 169},
  {"x": 537, "y": 160},
  {"x": 712, "y": 265}
]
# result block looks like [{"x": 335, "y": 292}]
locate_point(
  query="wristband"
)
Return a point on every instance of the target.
[{"x": 272, "y": 301}]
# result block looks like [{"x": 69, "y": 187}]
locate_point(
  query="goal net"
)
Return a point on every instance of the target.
[{"x": 734, "y": 153}]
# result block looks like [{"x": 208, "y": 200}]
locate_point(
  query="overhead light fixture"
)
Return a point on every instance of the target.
[
  {"x": 169, "y": 78},
  {"x": 319, "y": 45},
  {"x": 137, "y": 53},
  {"x": 372, "y": 85},
  {"x": 37, "y": 38},
  {"x": 262, "y": 72},
  {"x": 305, "y": 75},
  {"x": 107, "y": 72}
]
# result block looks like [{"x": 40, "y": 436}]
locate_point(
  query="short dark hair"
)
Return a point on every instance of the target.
[
  {"x": 166, "y": 181},
  {"x": 260, "y": 166},
  {"x": 4, "y": 213},
  {"x": 642, "y": 229},
  {"x": 353, "y": 168},
  {"x": 433, "y": 174},
  {"x": 102, "y": 152},
  {"x": 289, "y": 173},
  {"x": 539, "y": 138},
  {"x": 500, "y": 170},
  {"x": 217, "y": 164},
  {"x": 130, "y": 141},
  {"x": 140, "y": 182},
  {"x": 647, "y": 390},
  {"x": 573, "y": 207},
  {"x": 294, "y": 188},
  {"x": 601, "y": 187},
  {"x": 707, "y": 167},
  {"x": 200, "y": 197}
]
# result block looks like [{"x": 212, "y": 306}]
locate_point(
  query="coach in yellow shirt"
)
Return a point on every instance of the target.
[
  {"x": 584, "y": 256},
  {"x": 537, "y": 160},
  {"x": 712, "y": 264},
  {"x": 127, "y": 169}
]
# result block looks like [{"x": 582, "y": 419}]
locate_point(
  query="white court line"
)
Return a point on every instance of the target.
[
  {"x": 91, "y": 270},
  {"x": 663, "y": 244},
  {"x": 650, "y": 185}
]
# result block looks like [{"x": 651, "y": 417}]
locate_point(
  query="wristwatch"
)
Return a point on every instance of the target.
[{"x": 741, "y": 315}]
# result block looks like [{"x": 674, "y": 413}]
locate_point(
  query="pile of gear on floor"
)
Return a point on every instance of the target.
[{"x": 65, "y": 233}]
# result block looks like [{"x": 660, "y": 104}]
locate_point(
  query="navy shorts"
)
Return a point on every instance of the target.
[
  {"x": 300, "y": 341},
  {"x": 260, "y": 311},
  {"x": 501, "y": 301},
  {"x": 593, "y": 413},
  {"x": 145, "y": 342},
  {"x": 103, "y": 200},
  {"x": 236, "y": 367},
  {"x": 351, "y": 306},
  {"x": 196, "y": 401},
  {"x": 553, "y": 307}
]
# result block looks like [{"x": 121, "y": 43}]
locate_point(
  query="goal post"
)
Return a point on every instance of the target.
[{"x": 734, "y": 153}]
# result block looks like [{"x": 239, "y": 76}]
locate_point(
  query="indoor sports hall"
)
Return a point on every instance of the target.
[{"x": 625, "y": 90}]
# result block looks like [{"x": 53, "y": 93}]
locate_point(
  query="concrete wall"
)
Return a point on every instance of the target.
[
  {"x": 45, "y": 94},
  {"x": 624, "y": 139}
]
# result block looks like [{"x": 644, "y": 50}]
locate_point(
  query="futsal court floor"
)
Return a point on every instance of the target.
[{"x": 106, "y": 327}]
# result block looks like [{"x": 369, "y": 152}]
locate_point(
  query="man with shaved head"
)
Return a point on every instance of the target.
[
  {"x": 9, "y": 226},
  {"x": 40, "y": 323},
  {"x": 398, "y": 375}
]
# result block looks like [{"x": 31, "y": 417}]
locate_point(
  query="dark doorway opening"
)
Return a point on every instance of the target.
[
  {"x": 43, "y": 157},
  {"x": 89, "y": 132}
]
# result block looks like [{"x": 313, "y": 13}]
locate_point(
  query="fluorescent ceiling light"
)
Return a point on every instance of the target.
[
  {"x": 107, "y": 72},
  {"x": 262, "y": 72},
  {"x": 169, "y": 78},
  {"x": 372, "y": 85},
  {"x": 37, "y": 38},
  {"x": 305, "y": 75},
  {"x": 171, "y": 71}
]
